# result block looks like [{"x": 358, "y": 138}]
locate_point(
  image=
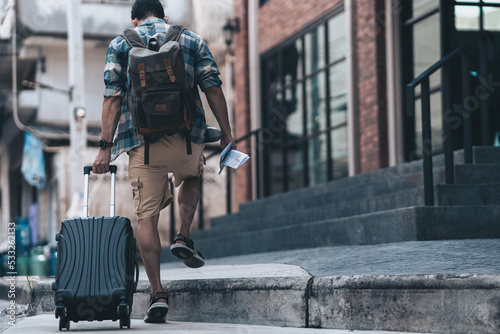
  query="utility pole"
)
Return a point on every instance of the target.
[{"x": 77, "y": 121}]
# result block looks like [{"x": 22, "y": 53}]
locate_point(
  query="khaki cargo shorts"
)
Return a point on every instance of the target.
[{"x": 150, "y": 182}]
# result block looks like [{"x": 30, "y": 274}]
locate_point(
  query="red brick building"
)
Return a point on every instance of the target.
[{"x": 319, "y": 84}]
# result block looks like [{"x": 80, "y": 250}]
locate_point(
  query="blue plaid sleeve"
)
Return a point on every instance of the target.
[
  {"x": 206, "y": 70},
  {"x": 115, "y": 70}
]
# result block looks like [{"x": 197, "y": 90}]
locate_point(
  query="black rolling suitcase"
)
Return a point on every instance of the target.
[{"x": 95, "y": 266}]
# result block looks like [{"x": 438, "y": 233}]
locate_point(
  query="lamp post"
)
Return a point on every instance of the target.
[{"x": 77, "y": 121}]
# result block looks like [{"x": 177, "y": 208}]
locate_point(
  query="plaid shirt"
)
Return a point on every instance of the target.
[{"x": 200, "y": 67}]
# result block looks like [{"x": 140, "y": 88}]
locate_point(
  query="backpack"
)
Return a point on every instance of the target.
[{"x": 160, "y": 98}]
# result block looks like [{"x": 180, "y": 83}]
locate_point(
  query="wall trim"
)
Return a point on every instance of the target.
[{"x": 352, "y": 84}]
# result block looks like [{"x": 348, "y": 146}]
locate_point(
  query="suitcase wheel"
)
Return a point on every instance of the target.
[
  {"x": 64, "y": 323},
  {"x": 60, "y": 311},
  {"x": 123, "y": 310},
  {"x": 125, "y": 322}
]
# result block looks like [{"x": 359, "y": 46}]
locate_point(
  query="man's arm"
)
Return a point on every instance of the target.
[
  {"x": 217, "y": 102},
  {"x": 111, "y": 111}
]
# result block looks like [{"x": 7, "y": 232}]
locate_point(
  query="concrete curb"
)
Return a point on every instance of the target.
[
  {"x": 419, "y": 303},
  {"x": 265, "y": 301},
  {"x": 20, "y": 288}
]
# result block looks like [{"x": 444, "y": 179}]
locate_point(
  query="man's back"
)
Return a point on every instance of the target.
[{"x": 200, "y": 68}]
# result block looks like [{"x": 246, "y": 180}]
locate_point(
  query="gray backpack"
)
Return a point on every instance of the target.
[{"x": 160, "y": 99}]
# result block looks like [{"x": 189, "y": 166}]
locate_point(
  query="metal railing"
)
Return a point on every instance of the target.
[{"x": 486, "y": 53}]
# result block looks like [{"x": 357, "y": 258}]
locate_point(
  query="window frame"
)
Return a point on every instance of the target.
[{"x": 286, "y": 143}]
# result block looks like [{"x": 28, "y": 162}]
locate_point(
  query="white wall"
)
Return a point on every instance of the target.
[
  {"x": 6, "y": 18},
  {"x": 5, "y": 205},
  {"x": 49, "y": 16},
  {"x": 53, "y": 106}
]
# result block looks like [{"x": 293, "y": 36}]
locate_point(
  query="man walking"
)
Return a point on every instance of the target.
[{"x": 167, "y": 153}]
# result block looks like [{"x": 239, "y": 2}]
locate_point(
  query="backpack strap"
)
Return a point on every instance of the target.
[
  {"x": 174, "y": 33},
  {"x": 147, "y": 141},
  {"x": 133, "y": 38}
]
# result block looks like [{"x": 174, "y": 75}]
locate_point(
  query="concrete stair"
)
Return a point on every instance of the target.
[{"x": 379, "y": 207}]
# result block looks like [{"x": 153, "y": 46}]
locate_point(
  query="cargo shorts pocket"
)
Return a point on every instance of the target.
[{"x": 136, "y": 193}]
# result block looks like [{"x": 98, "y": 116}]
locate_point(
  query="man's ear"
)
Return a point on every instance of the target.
[
  {"x": 135, "y": 22},
  {"x": 165, "y": 19}
]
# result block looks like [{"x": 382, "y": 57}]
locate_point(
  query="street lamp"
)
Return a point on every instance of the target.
[
  {"x": 79, "y": 113},
  {"x": 232, "y": 26}
]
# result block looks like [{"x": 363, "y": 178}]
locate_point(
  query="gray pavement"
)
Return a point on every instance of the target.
[
  {"x": 46, "y": 323},
  {"x": 470, "y": 256},
  {"x": 455, "y": 268}
]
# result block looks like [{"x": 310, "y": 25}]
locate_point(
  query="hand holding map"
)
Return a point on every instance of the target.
[{"x": 231, "y": 158}]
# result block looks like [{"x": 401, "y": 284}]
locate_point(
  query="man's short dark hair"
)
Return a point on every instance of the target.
[{"x": 142, "y": 9}]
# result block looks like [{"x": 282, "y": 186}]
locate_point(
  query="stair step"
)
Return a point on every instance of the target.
[
  {"x": 406, "y": 172},
  {"x": 334, "y": 197},
  {"x": 245, "y": 223},
  {"x": 413, "y": 223},
  {"x": 477, "y": 173},
  {"x": 467, "y": 194},
  {"x": 486, "y": 155},
  {"x": 272, "y": 206}
]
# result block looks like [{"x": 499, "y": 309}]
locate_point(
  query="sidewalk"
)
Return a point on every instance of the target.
[
  {"x": 46, "y": 323},
  {"x": 423, "y": 286},
  {"x": 470, "y": 256}
]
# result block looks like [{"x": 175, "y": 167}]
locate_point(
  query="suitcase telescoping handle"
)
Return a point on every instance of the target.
[{"x": 86, "y": 171}]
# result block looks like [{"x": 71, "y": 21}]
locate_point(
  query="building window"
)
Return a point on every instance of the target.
[
  {"x": 304, "y": 100},
  {"x": 263, "y": 2},
  {"x": 477, "y": 15},
  {"x": 430, "y": 30},
  {"x": 421, "y": 47}
]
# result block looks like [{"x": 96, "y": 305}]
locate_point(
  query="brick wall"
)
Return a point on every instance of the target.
[
  {"x": 371, "y": 84},
  {"x": 281, "y": 19},
  {"x": 242, "y": 176}
]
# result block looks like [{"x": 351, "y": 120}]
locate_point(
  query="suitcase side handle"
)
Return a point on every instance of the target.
[{"x": 86, "y": 172}]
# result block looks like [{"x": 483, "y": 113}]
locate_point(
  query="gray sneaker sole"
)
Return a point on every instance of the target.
[{"x": 156, "y": 313}]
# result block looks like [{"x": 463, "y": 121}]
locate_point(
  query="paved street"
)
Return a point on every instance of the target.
[
  {"x": 479, "y": 256},
  {"x": 473, "y": 256},
  {"x": 44, "y": 324}
]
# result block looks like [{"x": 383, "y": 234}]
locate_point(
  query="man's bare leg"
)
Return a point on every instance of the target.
[
  {"x": 183, "y": 248},
  {"x": 188, "y": 197},
  {"x": 148, "y": 240}
]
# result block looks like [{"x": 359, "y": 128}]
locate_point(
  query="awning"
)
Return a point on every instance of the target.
[
  {"x": 53, "y": 134},
  {"x": 26, "y": 70}
]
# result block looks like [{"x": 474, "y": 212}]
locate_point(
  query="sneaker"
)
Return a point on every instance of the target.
[
  {"x": 157, "y": 312},
  {"x": 186, "y": 252}
]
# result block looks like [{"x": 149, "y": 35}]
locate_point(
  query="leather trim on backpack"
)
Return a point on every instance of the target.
[
  {"x": 168, "y": 67},
  {"x": 142, "y": 74}
]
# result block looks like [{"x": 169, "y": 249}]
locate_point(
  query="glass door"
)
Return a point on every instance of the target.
[
  {"x": 421, "y": 46},
  {"x": 470, "y": 17},
  {"x": 431, "y": 30}
]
